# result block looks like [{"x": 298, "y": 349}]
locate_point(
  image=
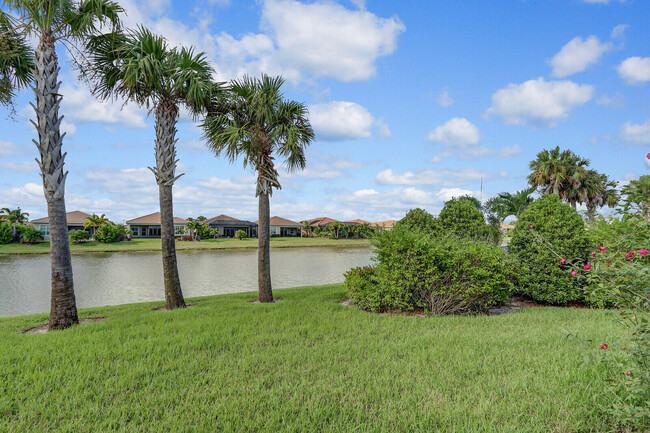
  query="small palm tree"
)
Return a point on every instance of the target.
[
  {"x": 256, "y": 122},
  {"x": 307, "y": 228},
  {"x": 194, "y": 225},
  {"x": 598, "y": 191},
  {"x": 139, "y": 66},
  {"x": 95, "y": 221},
  {"x": 14, "y": 217},
  {"x": 637, "y": 196},
  {"x": 559, "y": 172},
  {"x": 506, "y": 204},
  {"x": 51, "y": 22}
]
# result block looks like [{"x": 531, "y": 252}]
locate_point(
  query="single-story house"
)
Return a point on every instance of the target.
[
  {"x": 385, "y": 225},
  {"x": 321, "y": 222},
  {"x": 228, "y": 226},
  {"x": 284, "y": 228},
  {"x": 148, "y": 226},
  {"x": 76, "y": 221},
  {"x": 356, "y": 222}
]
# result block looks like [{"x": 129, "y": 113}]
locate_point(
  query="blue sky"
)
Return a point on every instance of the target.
[{"x": 412, "y": 103}]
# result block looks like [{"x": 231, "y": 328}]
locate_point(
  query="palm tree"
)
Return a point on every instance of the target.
[
  {"x": 96, "y": 221},
  {"x": 506, "y": 204},
  {"x": 255, "y": 121},
  {"x": 307, "y": 228},
  {"x": 16, "y": 61},
  {"x": 194, "y": 225},
  {"x": 53, "y": 21},
  {"x": 14, "y": 217},
  {"x": 558, "y": 172},
  {"x": 139, "y": 66},
  {"x": 598, "y": 191},
  {"x": 637, "y": 196}
]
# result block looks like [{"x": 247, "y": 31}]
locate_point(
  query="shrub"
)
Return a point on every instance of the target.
[
  {"x": 29, "y": 235},
  {"x": 78, "y": 236},
  {"x": 546, "y": 230},
  {"x": 6, "y": 233},
  {"x": 461, "y": 217},
  {"x": 240, "y": 234},
  {"x": 440, "y": 274},
  {"x": 419, "y": 220},
  {"x": 107, "y": 233}
]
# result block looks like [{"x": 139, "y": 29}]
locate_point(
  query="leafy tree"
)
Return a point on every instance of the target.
[
  {"x": 255, "y": 121},
  {"x": 460, "y": 217},
  {"x": 78, "y": 236},
  {"x": 139, "y": 66},
  {"x": 419, "y": 220},
  {"x": 107, "y": 234},
  {"x": 506, "y": 204},
  {"x": 51, "y": 22},
  {"x": 636, "y": 196},
  {"x": 13, "y": 217},
  {"x": 559, "y": 172}
]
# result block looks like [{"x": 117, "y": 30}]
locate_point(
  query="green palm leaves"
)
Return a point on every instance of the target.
[{"x": 506, "y": 204}]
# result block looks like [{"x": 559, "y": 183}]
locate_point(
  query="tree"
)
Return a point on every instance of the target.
[
  {"x": 139, "y": 66},
  {"x": 420, "y": 220},
  {"x": 636, "y": 196},
  {"x": 255, "y": 121},
  {"x": 307, "y": 228},
  {"x": 460, "y": 217},
  {"x": 13, "y": 217},
  {"x": 506, "y": 204},
  {"x": 194, "y": 225},
  {"x": 96, "y": 221},
  {"x": 559, "y": 172},
  {"x": 598, "y": 191},
  {"x": 16, "y": 61},
  {"x": 50, "y": 22}
]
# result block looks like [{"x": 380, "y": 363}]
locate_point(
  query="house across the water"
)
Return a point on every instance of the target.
[
  {"x": 384, "y": 225},
  {"x": 284, "y": 228},
  {"x": 321, "y": 222},
  {"x": 228, "y": 226},
  {"x": 76, "y": 221},
  {"x": 148, "y": 226}
]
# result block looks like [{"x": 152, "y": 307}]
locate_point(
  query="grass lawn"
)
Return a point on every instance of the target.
[
  {"x": 305, "y": 364},
  {"x": 208, "y": 244}
]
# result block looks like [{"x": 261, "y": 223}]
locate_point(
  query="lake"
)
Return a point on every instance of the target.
[{"x": 122, "y": 278}]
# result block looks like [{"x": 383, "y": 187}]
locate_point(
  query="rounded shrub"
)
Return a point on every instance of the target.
[
  {"x": 547, "y": 231},
  {"x": 419, "y": 219},
  {"x": 6, "y": 233},
  {"x": 240, "y": 234},
  {"x": 462, "y": 217},
  {"x": 29, "y": 235},
  {"x": 78, "y": 236},
  {"x": 107, "y": 233},
  {"x": 432, "y": 272}
]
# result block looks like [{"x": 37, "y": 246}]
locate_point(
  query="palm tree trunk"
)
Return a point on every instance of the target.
[
  {"x": 63, "y": 305},
  {"x": 263, "y": 250},
  {"x": 165, "y": 172}
]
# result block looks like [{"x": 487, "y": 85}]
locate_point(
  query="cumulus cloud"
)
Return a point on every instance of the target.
[
  {"x": 443, "y": 177},
  {"x": 456, "y": 132},
  {"x": 8, "y": 148},
  {"x": 636, "y": 133},
  {"x": 508, "y": 151},
  {"x": 539, "y": 102},
  {"x": 21, "y": 166},
  {"x": 340, "y": 120},
  {"x": 635, "y": 70},
  {"x": 578, "y": 55},
  {"x": 78, "y": 104}
]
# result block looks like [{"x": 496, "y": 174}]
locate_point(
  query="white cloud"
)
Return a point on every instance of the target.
[
  {"x": 444, "y": 100},
  {"x": 446, "y": 194},
  {"x": 22, "y": 166},
  {"x": 635, "y": 70},
  {"x": 383, "y": 131},
  {"x": 636, "y": 133},
  {"x": 8, "y": 148},
  {"x": 619, "y": 31},
  {"x": 508, "y": 151},
  {"x": 578, "y": 55},
  {"x": 539, "y": 102},
  {"x": 615, "y": 101},
  {"x": 340, "y": 120},
  {"x": 456, "y": 132},
  {"x": 68, "y": 128},
  {"x": 78, "y": 104},
  {"x": 443, "y": 177}
]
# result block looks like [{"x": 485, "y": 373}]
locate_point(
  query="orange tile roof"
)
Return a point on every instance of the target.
[
  {"x": 154, "y": 218},
  {"x": 358, "y": 221},
  {"x": 385, "y": 224},
  {"x": 219, "y": 218},
  {"x": 74, "y": 217},
  {"x": 279, "y": 221},
  {"x": 320, "y": 222}
]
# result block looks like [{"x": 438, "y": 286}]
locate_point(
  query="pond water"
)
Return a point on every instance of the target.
[{"x": 121, "y": 278}]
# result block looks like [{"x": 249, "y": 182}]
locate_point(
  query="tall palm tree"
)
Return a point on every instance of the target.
[
  {"x": 51, "y": 22},
  {"x": 598, "y": 191},
  {"x": 13, "y": 217},
  {"x": 96, "y": 221},
  {"x": 16, "y": 61},
  {"x": 506, "y": 204},
  {"x": 140, "y": 66},
  {"x": 255, "y": 121},
  {"x": 558, "y": 172}
]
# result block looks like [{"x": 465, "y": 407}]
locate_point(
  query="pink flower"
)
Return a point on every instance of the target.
[
  {"x": 643, "y": 251},
  {"x": 629, "y": 254},
  {"x": 602, "y": 248},
  {"x": 604, "y": 346},
  {"x": 563, "y": 261},
  {"x": 648, "y": 292},
  {"x": 622, "y": 348},
  {"x": 629, "y": 373},
  {"x": 530, "y": 225},
  {"x": 593, "y": 254},
  {"x": 574, "y": 273},
  {"x": 648, "y": 156},
  {"x": 587, "y": 267}
]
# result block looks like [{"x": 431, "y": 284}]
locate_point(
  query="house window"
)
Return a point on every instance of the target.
[
  {"x": 135, "y": 230},
  {"x": 179, "y": 230},
  {"x": 45, "y": 229}
]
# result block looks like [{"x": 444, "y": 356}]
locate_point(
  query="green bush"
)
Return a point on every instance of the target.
[
  {"x": 420, "y": 220},
  {"x": 78, "y": 236},
  {"x": 461, "y": 217},
  {"x": 432, "y": 272},
  {"x": 107, "y": 233},
  {"x": 29, "y": 235},
  {"x": 6, "y": 233},
  {"x": 547, "y": 231},
  {"x": 240, "y": 234}
]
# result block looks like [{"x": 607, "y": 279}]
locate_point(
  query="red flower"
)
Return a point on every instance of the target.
[
  {"x": 563, "y": 261},
  {"x": 629, "y": 254},
  {"x": 643, "y": 251},
  {"x": 604, "y": 346},
  {"x": 593, "y": 254},
  {"x": 622, "y": 348},
  {"x": 602, "y": 248},
  {"x": 574, "y": 273},
  {"x": 648, "y": 156},
  {"x": 530, "y": 225},
  {"x": 629, "y": 373},
  {"x": 587, "y": 267}
]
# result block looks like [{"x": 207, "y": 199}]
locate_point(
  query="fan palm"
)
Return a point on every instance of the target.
[
  {"x": 16, "y": 61},
  {"x": 559, "y": 172},
  {"x": 51, "y": 22},
  {"x": 95, "y": 221},
  {"x": 139, "y": 66},
  {"x": 506, "y": 204},
  {"x": 598, "y": 191},
  {"x": 255, "y": 121},
  {"x": 13, "y": 217}
]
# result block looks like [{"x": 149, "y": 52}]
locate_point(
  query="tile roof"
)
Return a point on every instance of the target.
[
  {"x": 358, "y": 221},
  {"x": 154, "y": 218},
  {"x": 385, "y": 224},
  {"x": 227, "y": 220},
  {"x": 279, "y": 221},
  {"x": 321, "y": 222},
  {"x": 74, "y": 217}
]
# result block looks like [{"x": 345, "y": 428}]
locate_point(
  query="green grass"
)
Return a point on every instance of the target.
[
  {"x": 208, "y": 244},
  {"x": 306, "y": 364}
]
